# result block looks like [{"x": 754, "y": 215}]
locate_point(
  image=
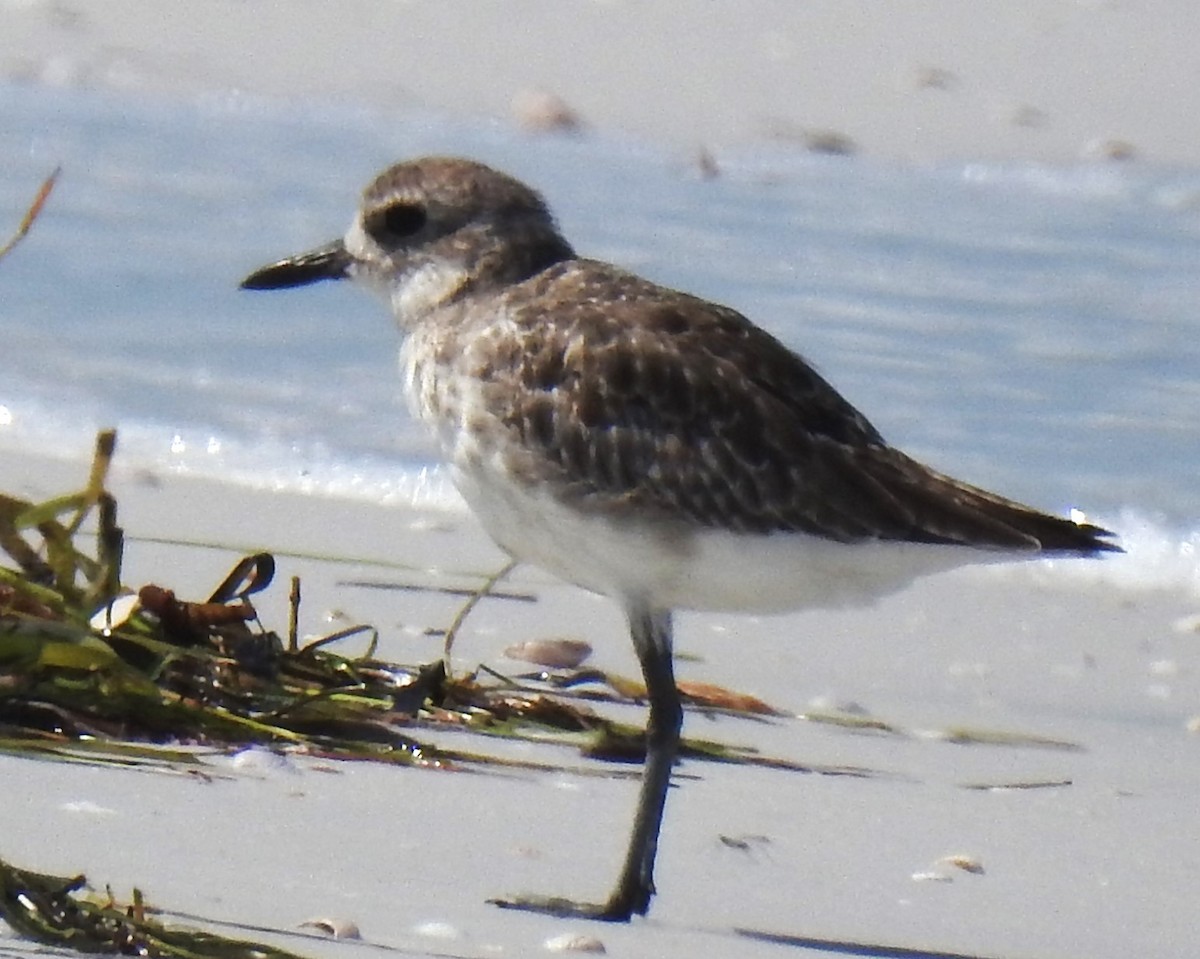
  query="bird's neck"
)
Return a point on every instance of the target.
[
  {"x": 499, "y": 260},
  {"x": 479, "y": 264}
]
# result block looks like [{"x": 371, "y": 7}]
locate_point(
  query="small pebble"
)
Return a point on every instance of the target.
[
  {"x": 87, "y": 807},
  {"x": 1187, "y": 624},
  {"x": 934, "y": 78},
  {"x": 706, "y": 165},
  {"x": 1110, "y": 149},
  {"x": 258, "y": 759},
  {"x": 552, "y": 653},
  {"x": 572, "y": 942},
  {"x": 539, "y": 111},
  {"x": 1029, "y": 117},
  {"x": 815, "y": 140},
  {"x": 965, "y": 863},
  {"x": 744, "y": 843},
  {"x": 829, "y": 142},
  {"x": 942, "y": 869},
  {"x": 436, "y": 930}
]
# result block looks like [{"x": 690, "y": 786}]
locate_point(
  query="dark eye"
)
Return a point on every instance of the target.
[{"x": 395, "y": 222}]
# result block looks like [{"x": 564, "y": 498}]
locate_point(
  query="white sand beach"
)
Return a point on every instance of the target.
[
  {"x": 1076, "y": 827},
  {"x": 921, "y": 80}
]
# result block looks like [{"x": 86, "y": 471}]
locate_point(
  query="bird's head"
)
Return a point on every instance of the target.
[{"x": 428, "y": 232}]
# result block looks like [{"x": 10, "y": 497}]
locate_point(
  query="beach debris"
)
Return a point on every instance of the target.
[
  {"x": 848, "y": 715},
  {"x": 186, "y": 623},
  {"x": 832, "y": 704},
  {"x": 697, "y": 694},
  {"x": 1109, "y": 148},
  {"x": 964, "y": 862},
  {"x": 473, "y": 600},
  {"x": 333, "y": 927},
  {"x": 944, "y": 869},
  {"x": 966, "y": 736},
  {"x": 199, "y": 672},
  {"x": 1187, "y": 624},
  {"x": 829, "y": 142},
  {"x": 260, "y": 759},
  {"x": 540, "y": 111},
  {"x": 1020, "y": 784},
  {"x": 436, "y": 929},
  {"x": 813, "y": 139},
  {"x": 13, "y": 601},
  {"x": 1193, "y": 724},
  {"x": 934, "y": 78},
  {"x": 154, "y": 666},
  {"x": 61, "y": 912},
  {"x": 87, "y": 808},
  {"x": 553, "y": 653},
  {"x": 293, "y": 626},
  {"x": 32, "y": 213},
  {"x": 712, "y": 696},
  {"x": 745, "y": 843},
  {"x": 1029, "y": 117},
  {"x": 705, "y": 164},
  {"x": 854, "y": 718},
  {"x": 575, "y": 942}
]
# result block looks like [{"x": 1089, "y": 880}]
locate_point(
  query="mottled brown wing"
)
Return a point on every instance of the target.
[{"x": 640, "y": 397}]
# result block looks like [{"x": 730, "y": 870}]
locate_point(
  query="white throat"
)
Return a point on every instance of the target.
[
  {"x": 411, "y": 291},
  {"x": 424, "y": 288}
]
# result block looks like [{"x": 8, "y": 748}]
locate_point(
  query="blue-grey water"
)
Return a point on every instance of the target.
[{"x": 1032, "y": 329}]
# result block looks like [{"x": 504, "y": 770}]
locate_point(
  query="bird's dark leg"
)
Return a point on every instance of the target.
[
  {"x": 652, "y": 640},
  {"x": 651, "y": 632}
]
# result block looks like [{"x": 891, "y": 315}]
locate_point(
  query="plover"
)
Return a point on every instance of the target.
[{"x": 643, "y": 443}]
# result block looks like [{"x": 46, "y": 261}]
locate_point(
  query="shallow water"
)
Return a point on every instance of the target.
[{"x": 1029, "y": 329}]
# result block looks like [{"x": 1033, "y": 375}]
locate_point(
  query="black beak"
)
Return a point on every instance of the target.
[{"x": 329, "y": 262}]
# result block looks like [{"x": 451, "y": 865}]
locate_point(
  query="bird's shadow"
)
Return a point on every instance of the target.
[{"x": 844, "y": 947}]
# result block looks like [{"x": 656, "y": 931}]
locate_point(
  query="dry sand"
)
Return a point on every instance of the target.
[
  {"x": 1048, "y": 80},
  {"x": 1087, "y": 849}
]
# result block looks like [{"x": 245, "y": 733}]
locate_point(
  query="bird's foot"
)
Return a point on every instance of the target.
[{"x": 617, "y": 909}]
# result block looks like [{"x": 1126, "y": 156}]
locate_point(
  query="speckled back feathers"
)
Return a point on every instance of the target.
[
  {"x": 645, "y": 402},
  {"x": 625, "y": 399}
]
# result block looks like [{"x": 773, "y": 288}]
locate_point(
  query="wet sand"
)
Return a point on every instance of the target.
[{"x": 1077, "y": 815}]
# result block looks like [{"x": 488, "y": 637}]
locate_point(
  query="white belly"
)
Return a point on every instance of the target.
[{"x": 704, "y": 570}]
